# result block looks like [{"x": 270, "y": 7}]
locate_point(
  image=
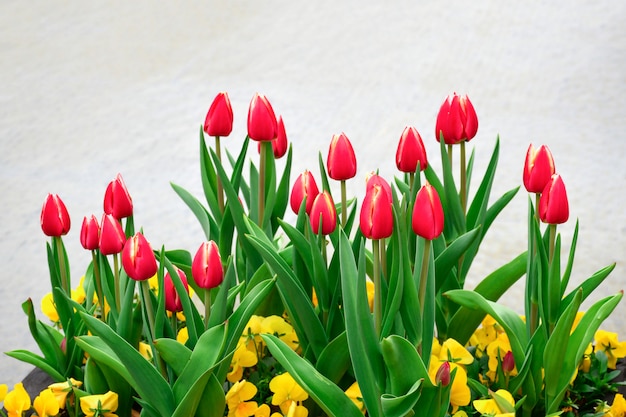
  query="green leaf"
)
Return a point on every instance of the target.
[
  {"x": 334, "y": 361},
  {"x": 198, "y": 210},
  {"x": 324, "y": 392},
  {"x": 400, "y": 406},
  {"x": 174, "y": 353},
  {"x": 449, "y": 258},
  {"x": 38, "y": 361},
  {"x": 189, "y": 403}
]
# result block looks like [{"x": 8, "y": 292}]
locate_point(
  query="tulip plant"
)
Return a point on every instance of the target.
[{"x": 320, "y": 316}]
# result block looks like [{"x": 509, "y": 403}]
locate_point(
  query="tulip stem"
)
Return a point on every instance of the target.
[
  {"x": 411, "y": 181},
  {"x": 343, "y": 204},
  {"x": 377, "y": 287},
  {"x": 98, "y": 279},
  {"x": 149, "y": 312},
  {"x": 450, "y": 154},
  {"x": 463, "y": 173},
  {"x": 264, "y": 145},
  {"x": 220, "y": 187},
  {"x": 116, "y": 271},
  {"x": 65, "y": 284},
  {"x": 424, "y": 275},
  {"x": 207, "y": 308}
]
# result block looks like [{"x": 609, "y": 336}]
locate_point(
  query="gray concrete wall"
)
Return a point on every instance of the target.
[{"x": 88, "y": 90}]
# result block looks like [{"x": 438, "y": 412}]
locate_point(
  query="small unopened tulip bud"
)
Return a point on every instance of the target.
[
  {"x": 173, "y": 302},
  {"x": 538, "y": 168},
  {"x": 138, "y": 258},
  {"x": 411, "y": 151},
  {"x": 376, "y": 221},
  {"x": 280, "y": 144},
  {"x": 261, "y": 119},
  {"x": 112, "y": 237},
  {"x": 427, "y": 220},
  {"x": 55, "y": 220},
  {"x": 341, "y": 161},
  {"x": 323, "y": 210},
  {"x": 304, "y": 187},
  {"x": 456, "y": 120},
  {"x": 373, "y": 179},
  {"x": 219, "y": 119},
  {"x": 90, "y": 233},
  {"x": 443, "y": 374},
  {"x": 553, "y": 204},
  {"x": 206, "y": 268},
  {"x": 117, "y": 201},
  {"x": 508, "y": 362}
]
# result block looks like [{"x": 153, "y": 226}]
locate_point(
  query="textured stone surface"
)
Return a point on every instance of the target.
[{"x": 90, "y": 90}]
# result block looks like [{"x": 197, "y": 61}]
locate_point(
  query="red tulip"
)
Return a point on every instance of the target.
[
  {"x": 172, "y": 300},
  {"x": 262, "y": 124},
  {"x": 138, "y": 259},
  {"x": 538, "y": 168},
  {"x": 374, "y": 179},
  {"x": 55, "y": 220},
  {"x": 304, "y": 186},
  {"x": 219, "y": 119},
  {"x": 411, "y": 151},
  {"x": 117, "y": 200},
  {"x": 90, "y": 233},
  {"x": 207, "y": 267},
  {"x": 456, "y": 120},
  {"x": 323, "y": 210},
  {"x": 443, "y": 374},
  {"x": 112, "y": 237},
  {"x": 341, "y": 161},
  {"x": 553, "y": 205},
  {"x": 280, "y": 144},
  {"x": 508, "y": 362},
  {"x": 427, "y": 218},
  {"x": 376, "y": 213}
]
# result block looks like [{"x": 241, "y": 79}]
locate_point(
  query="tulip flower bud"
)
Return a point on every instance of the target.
[
  {"x": 90, "y": 233},
  {"x": 172, "y": 300},
  {"x": 262, "y": 124},
  {"x": 206, "y": 268},
  {"x": 538, "y": 168},
  {"x": 112, "y": 237},
  {"x": 376, "y": 213},
  {"x": 508, "y": 362},
  {"x": 280, "y": 144},
  {"x": 553, "y": 205},
  {"x": 373, "y": 179},
  {"x": 117, "y": 200},
  {"x": 55, "y": 220},
  {"x": 411, "y": 151},
  {"x": 138, "y": 259},
  {"x": 443, "y": 374},
  {"x": 456, "y": 120},
  {"x": 341, "y": 161},
  {"x": 427, "y": 217},
  {"x": 323, "y": 210},
  {"x": 219, "y": 119},
  {"x": 304, "y": 187}
]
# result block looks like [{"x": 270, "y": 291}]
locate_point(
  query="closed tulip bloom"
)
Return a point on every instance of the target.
[
  {"x": 457, "y": 120},
  {"x": 553, "y": 205},
  {"x": 427, "y": 217},
  {"x": 219, "y": 119},
  {"x": 341, "y": 161},
  {"x": 411, "y": 151},
  {"x": 280, "y": 144},
  {"x": 55, "y": 220},
  {"x": 538, "y": 168},
  {"x": 324, "y": 208},
  {"x": 112, "y": 237},
  {"x": 443, "y": 374},
  {"x": 376, "y": 214},
  {"x": 262, "y": 124},
  {"x": 304, "y": 187},
  {"x": 172, "y": 299},
  {"x": 138, "y": 259},
  {"x": 117, "y": 200},
  {"x": 206, "y": 268},
  {"x": 90, "y": 233},
  {"x": 374, "y": 179}
]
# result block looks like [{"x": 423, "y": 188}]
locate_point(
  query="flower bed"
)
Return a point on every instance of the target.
[{"x": 332, "y": 314}]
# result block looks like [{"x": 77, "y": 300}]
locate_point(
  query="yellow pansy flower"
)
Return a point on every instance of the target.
[
  {"x": 3, "y": 391},
  {"x": 145, "y": 350},
  {"x": 62, "y": 389},
  {"x": 278, "y": 327},
  {"x": 46, "y": 404},
  {"x": 242, "y": 358},
  {"x": 105, "y": 405},
  {"x": 263, "y": 411},
  {"x": 17, "y": 401},
  {"x": 354, "y": 393},
  {"x": 49, "y": 308},
  {"x": 501, "y": 404},
  {"x": 497, "y": 349},
  {"x": 286, "y": 391},
  {"x": 452, "y": 351},
  {"x": 237, "y": 399},
  {"x": 618, "y": 408},
  {"x": 611, "y": 346},
  {"x": 183, "y": 335}
]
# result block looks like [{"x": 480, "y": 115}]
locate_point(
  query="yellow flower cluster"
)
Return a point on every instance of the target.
[
  {"x": 491, "y": 340},
  {"x": 48, "y": 403}
]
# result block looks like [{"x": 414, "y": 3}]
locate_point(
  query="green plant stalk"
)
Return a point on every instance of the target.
[
  {"x": 344, "y": 215},
  {"x": 220, "y": 187},
  {"x": 262, "y": 169},
  {"x": 116, "y": 271},
  {"x": 552, "y": 240},
  {"x": 378, "y": 314},
  {"x": 65, "y": 282},
  {"x": 534, "y": 306},
  {"x": 423, "y": 282},
  {"x": 147, "y": 303},
  {"x": 207, "y": 308},
  {"x": 463, "y": 190},
  {"x": 449, "y": 151},
  {"x": 411, "y": 180},
  {"x": 98, "y": 279}
]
